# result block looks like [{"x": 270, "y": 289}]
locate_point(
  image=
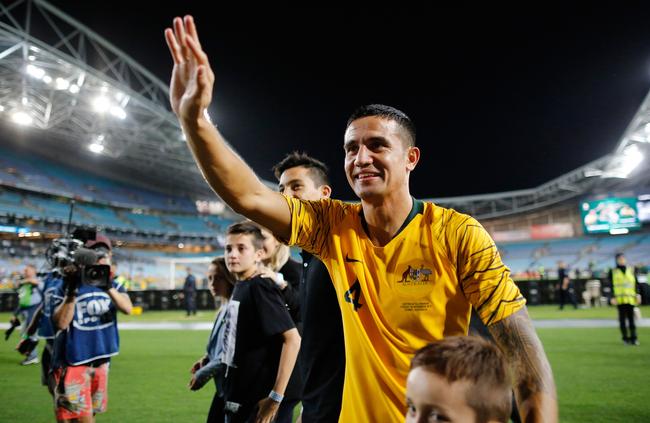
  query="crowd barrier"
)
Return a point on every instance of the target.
[{"x": 536, "y": 292}]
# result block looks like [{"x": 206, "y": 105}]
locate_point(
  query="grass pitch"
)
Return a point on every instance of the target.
[{"x": 598, "y": 378}]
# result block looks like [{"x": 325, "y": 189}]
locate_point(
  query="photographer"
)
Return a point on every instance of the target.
[{"x": 87, "y": 322}]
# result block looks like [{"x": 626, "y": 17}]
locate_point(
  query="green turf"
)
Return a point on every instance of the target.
[
  {"x": 546, "y": 312},
  {"x": 598, "y": 378},
  {"x": 147, "y": 382},
  {"x": 543, "y": 312}
]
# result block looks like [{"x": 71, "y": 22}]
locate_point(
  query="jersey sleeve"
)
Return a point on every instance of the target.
[
  {"x": 311, "y": 224},
  {"x": 485, "y": 280}
]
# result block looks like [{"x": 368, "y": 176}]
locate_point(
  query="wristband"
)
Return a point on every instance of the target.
[{"x": 276, "y": 397}]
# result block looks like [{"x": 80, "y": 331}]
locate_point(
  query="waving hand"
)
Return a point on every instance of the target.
[{"x": 192, "y": 78}]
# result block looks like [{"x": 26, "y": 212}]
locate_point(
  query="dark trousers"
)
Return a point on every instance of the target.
[
  {"x": 565, "y": 295},
  {"x": 190, "y": 303},
  {"x": 218, "y": 413},
  {"x": 626, "y": 312},
  {"x": 46, "y": 363},
  {"x": 285, "y": 411}
]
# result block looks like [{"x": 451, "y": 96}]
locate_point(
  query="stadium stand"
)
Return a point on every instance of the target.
[
  {"x": 585, "y": 254},
  {"x": 35, "y": 173}
]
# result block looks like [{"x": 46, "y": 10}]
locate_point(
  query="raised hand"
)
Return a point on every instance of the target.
[{"x": 190, "y": 90}]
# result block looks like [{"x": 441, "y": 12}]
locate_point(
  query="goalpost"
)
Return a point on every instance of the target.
[{"x": 177, "y": 266}]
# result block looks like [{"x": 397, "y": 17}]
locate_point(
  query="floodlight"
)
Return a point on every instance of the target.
[
  {"x": 96, "y": 148},
  {"x": 632, "y": 157},
  {"x": 35, "y": 71},
  {"x": 101, "y": 104},
  {"x": 22, "y": 118},
  {"x": 118, "y": 112},
  {"x": 62, "y": 84}
]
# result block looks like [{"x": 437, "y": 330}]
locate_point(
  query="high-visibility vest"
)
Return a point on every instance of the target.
[{"x": 624, "y": 286}]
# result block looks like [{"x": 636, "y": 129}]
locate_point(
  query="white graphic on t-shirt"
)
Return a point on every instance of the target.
[{"x": 227, "y": 352}]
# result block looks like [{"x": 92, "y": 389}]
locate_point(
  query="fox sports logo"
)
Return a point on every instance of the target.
[{"x": 89, "y": 311}]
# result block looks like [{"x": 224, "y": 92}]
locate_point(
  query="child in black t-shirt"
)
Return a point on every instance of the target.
[{"x": 259, "y": 342}]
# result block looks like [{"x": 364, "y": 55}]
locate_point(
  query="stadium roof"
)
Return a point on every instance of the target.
[
  {"x": 62, "y": 78},
  {"x": 89, "y": 100}
]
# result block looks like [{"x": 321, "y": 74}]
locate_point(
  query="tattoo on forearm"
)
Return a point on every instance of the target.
[{"x": 522, "y": 348}]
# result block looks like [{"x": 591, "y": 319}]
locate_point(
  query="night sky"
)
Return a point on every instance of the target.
[{"x": 503, "y": 99}]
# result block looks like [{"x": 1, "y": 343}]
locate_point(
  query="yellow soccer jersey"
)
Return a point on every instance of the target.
[{"x": 397, "y": 298}]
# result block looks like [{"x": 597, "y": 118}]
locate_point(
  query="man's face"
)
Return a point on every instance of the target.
[
  {"x": 431, "y": 398},
  {"x": 297, "y": 182},
  {"x": 620, "y": 260},
  {"x": 242, "y": 258},
  {"x": 377, "y": 161}
]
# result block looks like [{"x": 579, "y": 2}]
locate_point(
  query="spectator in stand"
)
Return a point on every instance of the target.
[{"x": 189, "y": 292}]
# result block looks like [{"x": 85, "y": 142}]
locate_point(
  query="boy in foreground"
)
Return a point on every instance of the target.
[{"x": 458, "y": 379}]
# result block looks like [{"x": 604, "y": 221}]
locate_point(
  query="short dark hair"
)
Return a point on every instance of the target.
[
  {"x": 386, "y": 112},
  {"x": 248, "y": 228},
  {"x": 223, "y": 273},
  {"x": 477, "y": 361},
  {"x": 317, "y": 169}
]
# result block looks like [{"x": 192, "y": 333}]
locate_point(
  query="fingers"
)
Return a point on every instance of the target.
[
  {"x": 174, "y": 48},
  {"x": 197, "y": 51},
  {"x": 191, "y": 30},
  {"x": 179, "y": 32},
  {"x": 183, "y": 41}
]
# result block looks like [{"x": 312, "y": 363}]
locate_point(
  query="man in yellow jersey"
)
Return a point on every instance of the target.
[{"x": 405, "y": 272}]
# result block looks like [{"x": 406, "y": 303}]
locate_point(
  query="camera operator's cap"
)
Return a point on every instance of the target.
[{"x": 99, "y": 241}]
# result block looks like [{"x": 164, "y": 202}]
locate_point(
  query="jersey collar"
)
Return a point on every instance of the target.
[{"x": 417, "y": 208}]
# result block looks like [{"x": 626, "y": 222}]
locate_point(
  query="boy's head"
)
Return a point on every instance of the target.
[
  {"x": 458, "y": 379},
  {"x": 244, "y": 249}
]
